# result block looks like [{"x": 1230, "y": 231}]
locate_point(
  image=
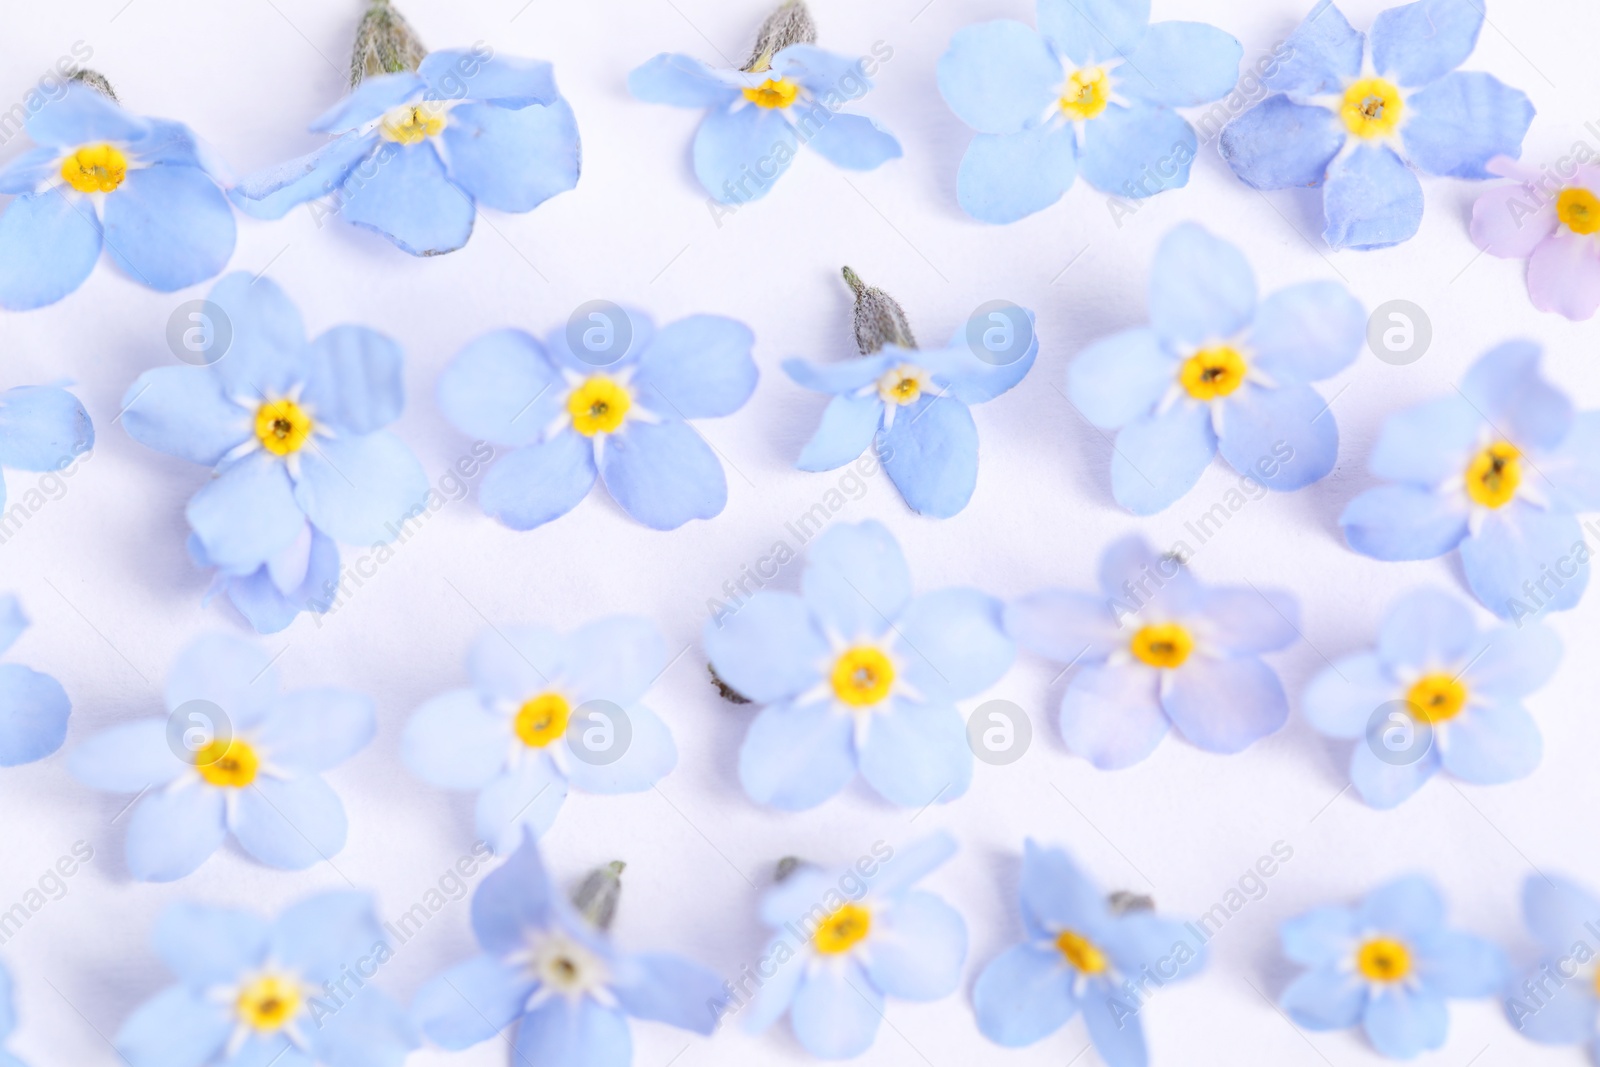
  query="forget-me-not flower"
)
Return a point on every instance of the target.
[
  {"x": 1216, "y": 371},
  {"x": 42, "y": 428},
  {"x": 143, "y": 189},
  {"x": 295, "y": 434},
  {"x": 1500, "y": 469},
  {"x": 294, "y": 992},
  {"x": 1557, "y": 1001},
  {"x": 1092, "y": 90},
  {"x": 33, "y": 706},
  {"x": 843, "y": 941},
  {"x": 856, "y": 674},
  {"x": 546, "y": 711},
  {"x": 789, "y": 94},
  {"x": 1435, "y": 693},
  {"x": 233, "y": 755},
  {"x": 1359, "y": 120},
  {"x": 1082, "y": 954},
  {"x": 1389, "y": 963},
  {"x": 1156, "y": 648},
  {"x": 548, "y": 970},
  {"x": 611, "y": 400},
  {"x": 1556, "y": 230}
]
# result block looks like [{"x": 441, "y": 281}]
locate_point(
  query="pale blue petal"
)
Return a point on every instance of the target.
[
  {"x": 511, "y": 663},
  {"x": 1120, "y": 378},
  {"x": 1181, "y": 64},
  {"x": 1112, "y": 1018},
  {"x": 230, "y": 672},
  {"x": 471, "y": 1002},
  {"x": 1321, "y": 937},
  {"x": 42, "y": 428},
  {"x": 513, "y": 160},
  {"x": 793, "y": 898},
  {"x": 1491, "y": 746},
  {"x": 206, "y": 946},
  {"x": 1112, "y": 715},
  {"x": 1565, "y": 1015},
  {"x": 169, "y": 227},
  {"x": 247, "y": 514},
  {"x": 1403, "y": 1023},
  {"x": 33, "y": 715},
  {"x": 361, "y": 489},
  {"x": 1511, "y": 553},
  {"x": 501, "y": 388},
  {"x": 1320, "y": 56},
  {"x": 273, "y": 193},
  {"x": 999, "y": 77},
  {"x": 13, "y": 621},
  {"x": 848, "y": 426},
  {"x": 1010, "y": 346},
  {"x": 1455, "y": 964},
  {"x": 616, "y": 658},
  {"x": 369, "y": 1030},
  {"x": 523, "y": 800},
  {"x": 739, "y": 154},
  {"x": 1131, "y": 571},
  {"x": 1372, "y": 200},
  {"x": 931, "y": 455},
  {"x": 1142, "y": 942},
  {"x": 1414, "y": 44},
  {"x": 31, "y": 171},
  {"x": 270, "y": 609},
  {"x": 836, "y": 1012},
  {"x": 1023, "y": 996},
  {"x": 1462, "y": 121},
  {"x": 357, "y": 381},
  {"x": 697, "y": 368},
  {"x": 184, "y": 412},
  {"x": 409, "y": 198},
  {"x": 1384, "y": 785},
  {"x": 83, "y": 114},
  {"x": 269, "y": 355},
  {"x": 1094, "y": 30},
  {"x": 1225, "y": 705},
  {"x": 368, "y": 101},
  {"x": 1505, "y": 386},
  {"x": 953, "y": 643},
  {"x": 1201, "y": 287},
  {"x": 1410, "y": 907},
  {"x": 531, "y": 486},
  {"x": 1006, "y": 177},
  {"x": 1308, "y": 332},
  {"x": 911, "y": 863},
  {"x": 1427, "y": 444},
  {"x": 1513, "y": 662},
  {"x": 1427, "y": 629},
  {"x": 1159, "y": 458},
  {"x": 574, "y": 1033},
  {"x": 1056, "y": 894},
  {"x": 916, "y": 754},
  {"x": 681, "y": 81},
  {"x": 1325, "y": 999},
  {"x": 769, "y": 649},
  {"x": 1558, "y": 911},
  {"x": 823, "y": 72},
  {"x": 773, "y": 997},
  {"x": 129, "y": 758},
  {"x": 1279, "y": 144},
  {"x": 175, "y": 1028},
  {"x": 664, "y": 474},
  {"x": 794, "y": 758},
  {"x": 918, "y": 949},
  {"x": 48, "y": 246},
  {"x": 1400, "y": 522},
  {"x": 1063, "y": 626},
  {"x": 291, "y": 823},
  {"x": 668, "y": 989},
  {"x": 1249, "y": 619},
  {"x": 317, "y": 729},
  {"x": 856, "y": 579},
  {"x": 170, "y": 833},
  {"x": 650, "y": 756},
  {"x": 1342, "y": 699},
  {"x": 1574, "y": 469},
  {"x": 513, "y": 81},
  {"x": 322, "y": 935},
  {"x": 853, "y": 142},
  {"x": 1137, "y": 151},
  {"x": 1259, "y": 424},
  {"x": 845, "y": 376}
]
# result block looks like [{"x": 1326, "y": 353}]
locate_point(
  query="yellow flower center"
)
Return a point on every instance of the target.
[
  {"x": 903, "y": 385},
  {"x": 95, "y": 168},
  {"x": 1213, "y": 372},
  {"x": 1086, "y": 94},
  {"x": 230, "y": 764},
  {"x": 1372, "y": 108},
  {"x": 268, "y": 1003},
  {"x": 413, "y": 123},
  {"x": 1383, "y": 959},
  {"x": 598, "y": 405},
  {"x": 1579, "y": 209},
  {"x": 1164, "y": 644},
  {"x": 1082, "y": 953},
  {"x": 1494, "y": 474},
  {"x": 1437, "y": 697},
  {"x": 862, "y": 676},
  {"x": 283, "y": 427},
  {"x": 543, "y": 719},
  {"x": 842, "y": 930},
  {"x": 773, "y": 93}
]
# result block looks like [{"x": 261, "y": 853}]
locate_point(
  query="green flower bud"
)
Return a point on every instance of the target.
[
  {"x": 96, "y": 81},
  {"x": 596, "y": 896},
  {"x": 385, "y": 44},
  {"x": 879, "y": 318},
  {"x": 789, "y": 24}
]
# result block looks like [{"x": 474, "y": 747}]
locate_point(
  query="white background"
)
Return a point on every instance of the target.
[{"x": 114, "y": 598}]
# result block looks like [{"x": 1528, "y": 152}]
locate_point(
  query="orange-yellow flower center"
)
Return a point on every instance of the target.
[
  {"x": 1213, "y": 372},
  {"x": 283, "y": 427},
  {"x": 842, "y": 930},
  {"x": 1372, "y": 107},
  {"x": 413, "y": 123},
  {"x": 95, "y": 168},
  {"x": 1164, "y": 644},
  {"x": 543, "y": 719},
  {"x": 862, "y": 676},
  {"x": 1086, "y": 94},
  {"x": 1494, "y": 474},
  {"x": 903, "y": 385},
  {"x": 268, "y": 1003},
  {"x": 773, "y": 93},
  {"x": 1437, "y": 697},
  {"x": 1082, "y": 953},
  {"x": 598, "y": 405},
  {"x": 231, "y": 764},
  {"x": 1579, "y": 209},
  {"x": 1383, "y": 959}
]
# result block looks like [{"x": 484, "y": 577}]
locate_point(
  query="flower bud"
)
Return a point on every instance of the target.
[
  {"x": 724, "y": 690},
  {"x": 385, "y": 44},
  {"x": 596, "y": 896},
  {"x": 787, "y": 866},
  {"x": 789, "y": 24},
  {"x": 879, "y": 318},
  {"x": 96, "y": 81},
  {"x": 1122, "y": 902}
]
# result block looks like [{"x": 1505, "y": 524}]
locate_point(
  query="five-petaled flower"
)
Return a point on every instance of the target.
[
  {"x": 1083, "y": 953},
  {"x": 1557, "y": 1002},
  {"x": 845, "y": 940},
  {"x": 618, "y": 410},
  {"x": 1093, "y": 89},
  {"x": 1357, "y": 120},
  {"x": 232, "y": 756},
  {"x": 1500, "y": 470},
  {"x": 296, "y": 991},
  {"x": 1388, "y": 963},
  {"x": 418, "y": 152},
  {"x": 546, "y": 712},
  {"x": 558, "y": 978},
  {"x": 1217, "y": 371},
  {"x": 1555, "y": 226},
  {"x": 856, "y": 673},
  {"x": 1155, "y": 647},
  {"x": 1435, "y": 693},
  {"x": 294, "y": 432},
  {"x": 144, "y": 189},
  {"x": 33, "y": 707}
]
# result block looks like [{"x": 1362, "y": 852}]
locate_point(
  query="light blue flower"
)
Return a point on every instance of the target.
[
  {"x": 1389, "y": 964},
  {"x": 33, "y": 706},
  {"x": 145, "y": 189},
  {"x": 621, "y": 415},
  {"x": 569, "y": 991},
  {"x": 42, "y": 428},
  {"x": 1557, "y": 1002},
  {"x": 1360, "y": 120},
  {"x": 294, "y": 432},
  {"x": 1500, "y": 469},
  {"x": 1092, "y": 90},
  {"x": 1082, "y": 954},
  {"x": 1155, "y": 647},
  {"x": 1217, "y": 371},
  {"x": 857, "y": 674},
  {"x": 845, "y": 940},
  {"x": 294, "y": 993},
  {"x": 232, "y": 756},
  {"x": 546, "y": 712},
  {"x": 8, "y": 1019},
  {"x": 417, "y": 153},
  {"x": 1435, "y": 693},
  {"x": 758, "y": 118}
]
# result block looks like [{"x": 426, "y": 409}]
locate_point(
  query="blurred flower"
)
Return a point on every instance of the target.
[
  {"x": 1155, "y": 647},
  {"x": 1435, "y": 693},
  {"x": 1082, "y": 953},
  {"x": 33, "y": 706},
  {"x": 1500, "y": 469},
  {"x": 1216, "y": 371},
  {"x": 8, "y": 1019},
  {"x": 855, "y": 673},
  {"x": 233, "y": 756},
  {"x": 788, "y": 94},
  {"x": 621, "y": 415},
  {"x": 1558, "y": 234},
  {"x": 1093, "y": 88},
  {"x": 1558, "y": 1000},
  {"x": 295, "y": 434},
  {"x": 546, "y": 711},
  {"x": 911, "y": 404},
  {"x": 146, "y": 189},
  {"x": 864, "y": 938},
  {"x": 1363, "y": 120},
  {"x": 42, "y": 428},
  {"x": 1388, "y": 964},
  {"x": 295, "y": 991},
  {"x": 558, "y": 977},
  {"x": 418, "y": 151}
]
